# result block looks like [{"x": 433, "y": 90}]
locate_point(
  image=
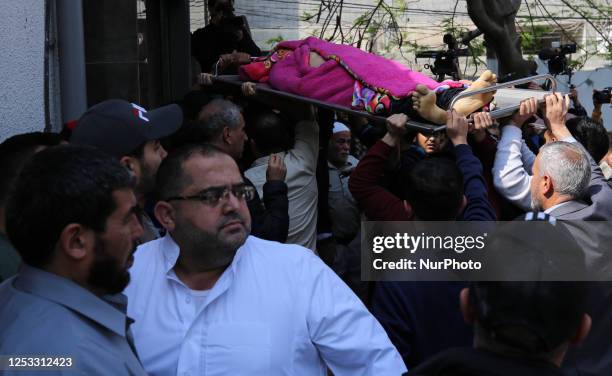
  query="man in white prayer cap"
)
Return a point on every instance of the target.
[{"x": 343, "y": 208}]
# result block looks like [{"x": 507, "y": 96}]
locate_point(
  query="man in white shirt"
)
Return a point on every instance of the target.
[
  {"x": 301, "y": 163},
  {"x": 209, "y": 299},
  {"x": 514, "y": 159}
]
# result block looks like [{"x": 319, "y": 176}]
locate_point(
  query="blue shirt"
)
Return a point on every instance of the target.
[
  {"x": 43, "y": 314},
  {"x": 276, "y": 310}
]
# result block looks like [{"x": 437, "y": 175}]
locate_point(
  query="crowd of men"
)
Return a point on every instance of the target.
[
  {"x": 222, "y": 236},
  {"x": 149, "y": 242}
]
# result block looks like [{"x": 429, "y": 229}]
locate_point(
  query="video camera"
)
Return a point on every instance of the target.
[
  {"x": 557, "y": 59},
  {"x": 446, "y": 62},
  {"x": 602, "y": 96}
]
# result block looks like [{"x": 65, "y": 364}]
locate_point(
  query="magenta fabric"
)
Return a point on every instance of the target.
[
  {"x": 375, "y": 71},
  {"x": 329, "y": 83}
]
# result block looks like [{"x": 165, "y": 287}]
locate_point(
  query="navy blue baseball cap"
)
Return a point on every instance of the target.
[{"x": 119, "y": 127}]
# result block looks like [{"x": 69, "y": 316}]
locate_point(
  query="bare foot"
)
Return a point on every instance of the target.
[
  {"x": 424, "y": 102},
  {"x": 466, "y": 106}
]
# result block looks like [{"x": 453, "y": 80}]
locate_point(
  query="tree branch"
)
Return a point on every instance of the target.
[{"x": 587, "y": 19}]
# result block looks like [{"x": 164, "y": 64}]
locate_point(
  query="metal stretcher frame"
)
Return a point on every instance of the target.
[
  {"x": 418, "y": 126},
  {"x": 507, "y": 111},
  {"x": 234, "y": 80}
]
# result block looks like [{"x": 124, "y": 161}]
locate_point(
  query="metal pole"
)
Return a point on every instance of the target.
[
  {"x": 491, "y": 88},
  {"x": 72, "y": 58}
]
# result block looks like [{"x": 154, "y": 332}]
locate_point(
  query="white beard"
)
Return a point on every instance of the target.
[{"x": 535, "y": 205}]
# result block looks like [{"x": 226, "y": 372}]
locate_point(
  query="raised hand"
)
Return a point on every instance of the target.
[
  {"x": 396, "y": 129},
  {"x": 456, "y": 128},
  {"x": 527, "y": 109},
  {"x": 554, "y": 115},
  {"x": 276, "y": 168},
  {"x": 205, "y": 79},
  {"x": 248, "y": 89},
  {"x": 482, "y": 122}
]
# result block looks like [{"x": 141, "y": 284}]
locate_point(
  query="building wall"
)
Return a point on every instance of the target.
[
  {"x": 22, "y": 34},
  {"x": 585, "y": 82},
  {"x": 422, "y": 22}
]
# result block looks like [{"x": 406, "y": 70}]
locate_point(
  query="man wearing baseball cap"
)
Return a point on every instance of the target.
[{"x": 131, "y": 134}]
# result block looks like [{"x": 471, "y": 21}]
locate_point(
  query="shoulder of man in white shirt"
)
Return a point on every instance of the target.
[{"x": 147, "y": 253}]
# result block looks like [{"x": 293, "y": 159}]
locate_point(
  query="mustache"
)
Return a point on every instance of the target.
[{"x": 230, "y": 218}]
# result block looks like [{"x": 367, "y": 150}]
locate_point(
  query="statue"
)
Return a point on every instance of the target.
[{"x": 495, "y": 18}]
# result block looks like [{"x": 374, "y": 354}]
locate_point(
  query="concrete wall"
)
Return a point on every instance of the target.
[{"x": 22, "y": 34}]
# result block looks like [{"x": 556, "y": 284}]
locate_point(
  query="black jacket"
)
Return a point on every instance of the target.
[
  {"x": 270, "y": 219},
  {"x": 421, "y": 318},
  {"x": 212, "y": 41},
  {"x": 472, "y": 362}
]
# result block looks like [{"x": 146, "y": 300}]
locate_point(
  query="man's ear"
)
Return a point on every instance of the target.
[
  {"x": 547, "y": 186},
  {"x": 227, "y": 135},
  {"x": 407, "y": 206},
  {"x": 466, "y": 308},
  {"x": 165, "y": 214},
  {"x": 76, "y": 241},
  {"x": 464, "y": 202},
  {"x": 583, "y": 330},
  {"x": 128, "y": 162}
]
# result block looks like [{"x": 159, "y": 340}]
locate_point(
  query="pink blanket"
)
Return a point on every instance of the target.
[{"x": 334, "y": 80}]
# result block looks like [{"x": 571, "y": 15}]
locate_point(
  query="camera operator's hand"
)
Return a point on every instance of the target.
[
  {"x": 597, "y": 104},
  {"x": 482, "y": 122},
  {"x": 527, "y": 109},
  {"x": 554, "y": 115},
  {"x": 573, "y": 95},
  {"x": 396, "y": 129},
  {"x": 276, "y": 171},
  {"x": 456, "y": 127},
  {"x": 596, "y": 114}
]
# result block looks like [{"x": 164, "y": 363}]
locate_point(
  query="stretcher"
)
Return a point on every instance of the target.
[{"x": 507, "y": 99}]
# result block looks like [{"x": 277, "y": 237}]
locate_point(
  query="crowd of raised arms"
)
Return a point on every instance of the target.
[{"x": 222, "y": 235}]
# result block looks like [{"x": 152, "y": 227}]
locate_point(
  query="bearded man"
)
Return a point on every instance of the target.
[
  {"x": 209, "y": 299},
  {"x": 72, "y": 217}
]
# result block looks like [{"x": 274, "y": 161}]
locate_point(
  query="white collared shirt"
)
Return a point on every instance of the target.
[
  {"x": 512, "y": 167},
  {"x": 549, "y": 210},
  {"x": 276, "y": 310}
]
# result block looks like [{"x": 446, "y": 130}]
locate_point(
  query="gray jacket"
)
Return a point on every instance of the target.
[
  {"x": 588, "y": 222},
  {"x": 43, "y": 314}
]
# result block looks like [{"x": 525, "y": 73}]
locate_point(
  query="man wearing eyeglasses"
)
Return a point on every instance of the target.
[{"x": 209, "y": 299}]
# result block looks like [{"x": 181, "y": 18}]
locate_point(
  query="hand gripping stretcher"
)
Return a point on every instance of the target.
[{"x": 507, "y": 99}]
